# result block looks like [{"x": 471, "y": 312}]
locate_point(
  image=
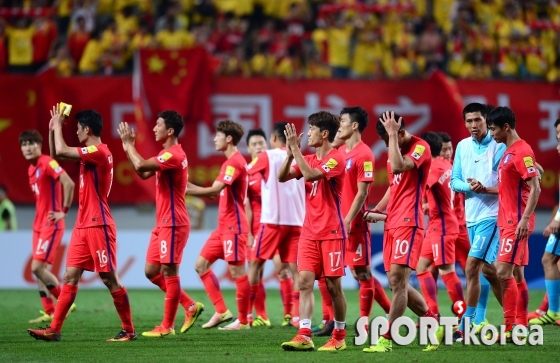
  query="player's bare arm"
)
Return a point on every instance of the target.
[
  {"x": 57, "y": 146},
  {"x": 293, "y": 142},
  {"x": 358, "y": 202},
  {"x": 382, "y": 204},
  {"x": 145, "y": 168},
  {"x": 522, "y": 230},
  {"x": 399, "y": 164},
  {"x": 209, "y": 192},
  {"x": 68, "y": 194},
  {"x": 286, "y": 171}
]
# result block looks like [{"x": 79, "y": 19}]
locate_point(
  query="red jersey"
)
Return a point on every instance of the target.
[
  {"x": 96, "y": 179},
  {"x": 517, "y": 165},
  {"x": 442, "y": 221},
  {"x": 459, "y": 207},
  {"x": 407, "y": 189},
  {"x": 43, "y": 179},
  {"x": 231, "y": 210},
  {"x": 254, "y": 195},
  {"x": 171, "y": 185},
  {"x": 359, "y": 168},
  {"x": 323, "y": 212}
]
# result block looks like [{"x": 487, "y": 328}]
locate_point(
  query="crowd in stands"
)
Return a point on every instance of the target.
[{"x": 369, "y": 39}]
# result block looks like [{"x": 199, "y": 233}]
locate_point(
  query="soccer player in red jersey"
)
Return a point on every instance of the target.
[
  {"x": 169, "y": 237},
  {"x": 438, "y": 247},
  {"x": 280, "y": 222},
  {"x": 463, "y": 244},
  {"x": 321, "y": 244},
  {"x": 518, "y": 194},
  {"x": 93, "y": 244},
  {"x": 360, "y": 164},
  {"x": 48, "y": 183},
  {"x": 408, "y": 167},
  {"x": 229, "y": 240}
]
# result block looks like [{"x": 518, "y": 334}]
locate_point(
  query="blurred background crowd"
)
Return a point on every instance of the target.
[{"x": 368, "y": 39}]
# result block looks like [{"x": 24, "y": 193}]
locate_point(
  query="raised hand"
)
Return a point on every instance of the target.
[
  {"x": 57, "y": 117},
  {"x": 391, "y": 125},
  {"x": 126, "y": 133},
  {"x": 293, "y": 140}
]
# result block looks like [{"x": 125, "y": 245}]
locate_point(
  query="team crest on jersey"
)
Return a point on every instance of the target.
[
  {"x": 348, "y": 164},
  {"x": 37, "y": 173},
  {"x": 418, "y": 151},
  {"x": 164, "y": 157},
  {"x": 55, "y": 166},
  {"x": 230, "y": 170},
  {"x": 89, "y": 149},
  {"x": 506, "y": 158}
]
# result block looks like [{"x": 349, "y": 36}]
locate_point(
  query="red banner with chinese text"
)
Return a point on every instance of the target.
[{"x": 432, "y": 104}]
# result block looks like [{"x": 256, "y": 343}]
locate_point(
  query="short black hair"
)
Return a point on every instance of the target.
[
  {"x": 91, "y": 119},
  {"x": 172, "y": 120},
  {"x": 557, "y": 123},
  {"x": 476, "y": 107},
  {"x": 32, "y": 136},
  {"x": 325, "y": 121},
  {"x": 231, "y": 128},
  {"x": 381, "y": 129},
  {"x": 501, "y": 116},
  {"x": 357, "y": 114},
  {"x": 444, "y": 136},
  {"x": 255, "y": 132},
  {"x": 278, "y": 130},
  {"x": 435, "y": 142}
]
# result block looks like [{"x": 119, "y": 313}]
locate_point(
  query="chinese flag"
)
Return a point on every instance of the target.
[{"x": 177, "y": 80}]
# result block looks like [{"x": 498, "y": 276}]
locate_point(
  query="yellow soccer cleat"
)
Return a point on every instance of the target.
[
  {"x": 384, "y": 345},
  {"x": 44, "y": 318},
  {"x": 259, "y": 322},
  {"x": 218, "y": 319},
  {"x": 300, "y": 343},
  {"x": 191, "y": 316},
  {"x": 159, "y": 332},
  {"x": 439, "y": 336},
  {"x": 286, "y": 320},
  {"x": 71, "y": 310},
  {"x": 333, "y": 345},
  {"x": 546, "y": 319}
]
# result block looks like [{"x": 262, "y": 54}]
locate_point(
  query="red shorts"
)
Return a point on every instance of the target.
[
  {"x": 462, "y": 245},
  {"x": 512, "y": 250},
  {"x": 401, "y": 246},
  {"x": 93, "y": 249},
  {"x": 272, "y": 239},
  {"x": 45, "y": 243},
  {"x": 439, "y": 249},
  {"x": 358, "y": 250},
  {"x": 167, "y": 245},
  {"x": 229, "y": 247},
  {"x": 321, "y": 257}
]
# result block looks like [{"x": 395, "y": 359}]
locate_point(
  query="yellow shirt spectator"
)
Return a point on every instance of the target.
[
  {"x": 126, "y": 25},
  {"x": 64, "y": 8},
  {"x": 89, "y": 63},
  {"x": 142, "y": 41},
  {"x": 442, "y": 14},
  {"x": 105, "y": 7},
  {"x": 178, "y": 39},
  {"x": 366, "y": 55},
  {"x": 20, "y": 48},
  {"x": 338, "y": 40},
  {"x": 238, "y": 7}
]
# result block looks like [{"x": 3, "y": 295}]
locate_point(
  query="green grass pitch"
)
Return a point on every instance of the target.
[{"x": 85, "y": 331}]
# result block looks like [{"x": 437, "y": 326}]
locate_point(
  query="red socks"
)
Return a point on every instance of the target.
[
  {"x": 212, "y": 287},
  {"x": 366, "y": 294},
  {"x": 65, "y": 300},
  {"x": 260, "y": 302},
  {"x": 454, "y": 287},
  {"x": 47, "y": 302},
  {"x": 120, "y": 299},
  {"x": 429, "y": 290},
  {"x": 295, "y": 303},
  {"x": 381, "y": 296},
  {"x": 544, "y": 303},
  {"x": 286, "y": 288},
  {"x": 242, "y": 296},
  {"x": 54, "y": 290},
  {"x": 328, "y": 313},
  {"x": 509, "y": 299},
  {"x": 522, "y": 304},
  {"x": 172, "y": 296},
  {"x": 185, "y": 300}
]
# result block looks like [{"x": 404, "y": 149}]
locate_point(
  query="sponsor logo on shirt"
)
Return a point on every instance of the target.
[
  {"x": 331, "y": 163},
  {"x": 89, "y": 149},
  {"x": 230, "y": 170},
  {"x": 55, "y": 166},
  {"x": 418, "y": 151},
  {"x": 164, "y": 157},
  {"x": 368, "y": 166}
]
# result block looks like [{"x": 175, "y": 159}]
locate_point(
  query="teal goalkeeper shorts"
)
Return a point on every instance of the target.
[
  {"x": 485, "y": 240},
  {"x": 553, "y": 244}
]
